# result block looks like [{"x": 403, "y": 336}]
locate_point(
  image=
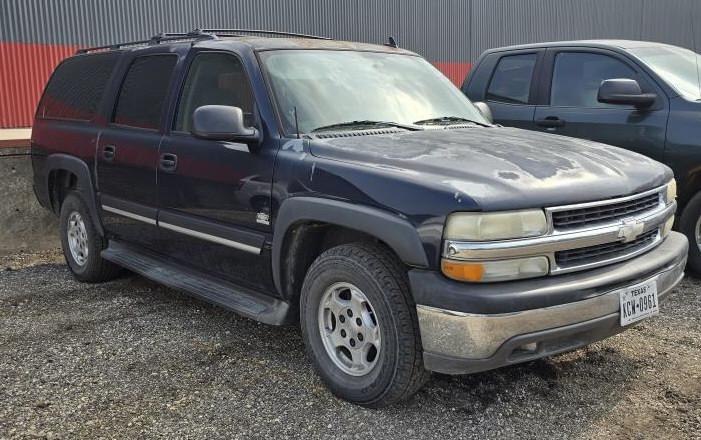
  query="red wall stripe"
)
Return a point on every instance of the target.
[
  {"x": 24, "y": 70},
  {"x": 455, "y": 71}
]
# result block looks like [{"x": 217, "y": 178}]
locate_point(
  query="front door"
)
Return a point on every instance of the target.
[
  {"x": 572, "y": 107},
  {"x": 215, "y": 196},
  {"x": 127, "y": 151}
]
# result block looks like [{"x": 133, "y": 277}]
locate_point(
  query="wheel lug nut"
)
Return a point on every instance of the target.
[
  {"x": 350, "y": 313},
  {"x": 358, "y": 321},
  {"x": 342, "y": 318},
  {"x": 360, "y": 337},
  {"x": 352, "y": 342},
  {"x": 343, "y": 333}
]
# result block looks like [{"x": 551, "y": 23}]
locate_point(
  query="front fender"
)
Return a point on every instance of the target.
[{"x": 396, "y": 232}]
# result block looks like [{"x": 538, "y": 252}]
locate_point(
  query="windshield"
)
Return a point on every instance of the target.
[
  {"x": 339, "y": 87},
  {"x": 676, "y": 66}
]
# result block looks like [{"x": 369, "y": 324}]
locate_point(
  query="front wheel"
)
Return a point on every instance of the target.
[
  {"x": 690, "y": 225},
  {"x": 360, "y": 327}
]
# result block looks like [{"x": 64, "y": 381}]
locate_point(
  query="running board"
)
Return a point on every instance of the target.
[{"x": 245, "y": 302}]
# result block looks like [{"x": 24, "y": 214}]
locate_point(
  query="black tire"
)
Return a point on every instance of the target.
[
  {"x": 687, "y": 226},
  {"x": 398, "y": 372},
  {"x": 94, "y": 269}
]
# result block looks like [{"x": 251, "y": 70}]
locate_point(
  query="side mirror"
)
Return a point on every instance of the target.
[
  {"x": 485, "y": 110},
  {"x": 222, "y": 123},
  {"x": 625, "y": 92}
]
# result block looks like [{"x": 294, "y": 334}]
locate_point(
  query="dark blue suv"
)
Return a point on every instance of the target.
[
  {"x": 352, "y": 189},
  {"x": 638, "y": 95}
]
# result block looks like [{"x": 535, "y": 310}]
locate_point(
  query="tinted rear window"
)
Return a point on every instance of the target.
[
  {"x": 76, "y": 87},
  {"x": 144, "y": 91}
]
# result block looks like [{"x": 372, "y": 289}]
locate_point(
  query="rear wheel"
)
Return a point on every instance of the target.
[
  {"x": 82, "y": 243},
  {"x": 690, "y": 225},
  {"x": 360, "y": 327}
]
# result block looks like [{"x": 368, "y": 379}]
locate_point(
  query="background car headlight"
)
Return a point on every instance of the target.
[
  {"x": 475, "y": 226},
  {"x": 497, "y": 270},
  {"x": 671, "y": 194}
]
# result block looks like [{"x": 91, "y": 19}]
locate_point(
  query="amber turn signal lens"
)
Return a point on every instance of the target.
[{"x": 462, "y": 271}]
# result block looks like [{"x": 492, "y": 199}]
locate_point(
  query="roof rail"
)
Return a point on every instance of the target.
[
  {"x": 235, "y": 32},
  {"x": 196, "y": 34}
]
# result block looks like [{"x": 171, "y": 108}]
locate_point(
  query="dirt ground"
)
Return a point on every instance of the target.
[{"x": 132, "y": 359}]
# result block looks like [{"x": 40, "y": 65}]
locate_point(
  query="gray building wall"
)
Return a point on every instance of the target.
[{"x": 450, "y": 33}]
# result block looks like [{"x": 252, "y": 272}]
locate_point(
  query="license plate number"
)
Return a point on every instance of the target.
[{"x": 639, "y": 302}]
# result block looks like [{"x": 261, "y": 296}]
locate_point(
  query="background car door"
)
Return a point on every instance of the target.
[
  {"x": 215, "y": 195},
  {"x": 510, "y": 88},
  {"x": 127, "y": 151},
  {"x": 571, "y": 106}
]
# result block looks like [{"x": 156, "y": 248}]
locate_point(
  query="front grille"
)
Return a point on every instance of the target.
[
  {"x": 593, "y": 215},
  {"x": 602, "y": 252}
]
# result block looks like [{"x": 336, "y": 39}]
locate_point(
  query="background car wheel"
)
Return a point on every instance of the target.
[
  {"x": 690, "y": 225},
  {"x": 360, "y": 327},
  {"x": 82, "y": 244}
]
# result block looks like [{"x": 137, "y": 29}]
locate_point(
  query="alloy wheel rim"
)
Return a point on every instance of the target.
[
  {"x": 77, "y": 238},
  {"x": 349, "y": 329}
]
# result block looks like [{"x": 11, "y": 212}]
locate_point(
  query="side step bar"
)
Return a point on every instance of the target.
[{"x": 243, "y": 301}]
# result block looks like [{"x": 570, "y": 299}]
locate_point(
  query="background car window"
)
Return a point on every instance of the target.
[
  {"x": 511, "y": 81},
  {"x": 77, "y": 86},
  {"x": 144, "y": 91},
  {"x": 578, "y": 75},
  {"x": 214, "y": 79}
]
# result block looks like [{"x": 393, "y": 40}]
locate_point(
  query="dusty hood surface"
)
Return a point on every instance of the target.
[{"x": 503, "y": 168}]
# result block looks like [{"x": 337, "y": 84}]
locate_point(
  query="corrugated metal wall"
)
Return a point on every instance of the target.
[{"x": 36, "y": 34}]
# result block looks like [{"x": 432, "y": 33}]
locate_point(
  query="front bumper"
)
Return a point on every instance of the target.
[{"x": 459, "y": 341}]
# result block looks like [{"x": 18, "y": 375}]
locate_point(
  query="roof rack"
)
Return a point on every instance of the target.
[
  {"x": 236, "y": 32},
  {"x": 195, "y": 35}
]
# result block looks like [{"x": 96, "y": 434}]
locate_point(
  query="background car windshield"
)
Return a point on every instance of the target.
[
  {"x": 676, "y": 66},
  {"x": 331, "y": 87}
]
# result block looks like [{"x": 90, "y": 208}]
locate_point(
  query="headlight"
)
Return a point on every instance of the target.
[
  {"x": 671, "y": 191},
  {"x": 497, "y": 270},
  {"x": 474, "y": 226}
]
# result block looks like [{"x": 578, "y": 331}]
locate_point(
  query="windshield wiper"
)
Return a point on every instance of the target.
[
  {"x": 366, "y": 123},
  {"x": 448, "y": 120}
]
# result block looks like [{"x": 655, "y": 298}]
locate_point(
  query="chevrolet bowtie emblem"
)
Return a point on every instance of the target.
[{"x": 630, "y": 229}]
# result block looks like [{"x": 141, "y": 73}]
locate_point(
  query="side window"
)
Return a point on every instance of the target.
[
  {"x": 511, "y": 81},
  {"x": 578, "y": 75},
  {"x": 144, "y": 91},
  {"x": 76, "y": 88},
  {"x": 214, "y": 79}
]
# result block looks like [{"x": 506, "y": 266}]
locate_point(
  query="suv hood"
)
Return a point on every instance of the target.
[{"x": 502, "y": 168}]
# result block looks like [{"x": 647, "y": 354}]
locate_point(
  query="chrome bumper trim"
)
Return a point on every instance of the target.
[{"x": 477, "y": 336}]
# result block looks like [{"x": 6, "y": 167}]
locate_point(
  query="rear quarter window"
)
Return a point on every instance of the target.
[{"x": 77, "y": 86}]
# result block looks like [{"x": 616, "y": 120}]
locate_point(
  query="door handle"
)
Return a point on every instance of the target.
[
  {"x": 108, "y": 152},
  {"x": 168, "y": 162},
  {"x": 550, "y": 122}
]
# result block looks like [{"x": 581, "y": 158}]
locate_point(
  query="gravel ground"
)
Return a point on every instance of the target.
[{"x": 132, "y": 359}]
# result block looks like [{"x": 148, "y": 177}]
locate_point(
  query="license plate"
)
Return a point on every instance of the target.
[{"x": 639, "y": 302}]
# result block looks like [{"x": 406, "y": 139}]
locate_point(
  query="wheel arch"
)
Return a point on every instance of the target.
[
  {"x": 298, "y": 214},
  {"x": 83, "y": 183}
]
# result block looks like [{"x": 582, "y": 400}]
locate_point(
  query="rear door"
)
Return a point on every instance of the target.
[
  {"x": 510, "y": 87},
  {"x": 127, "y": 150},
  {"x": 571, "y": 108}
]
